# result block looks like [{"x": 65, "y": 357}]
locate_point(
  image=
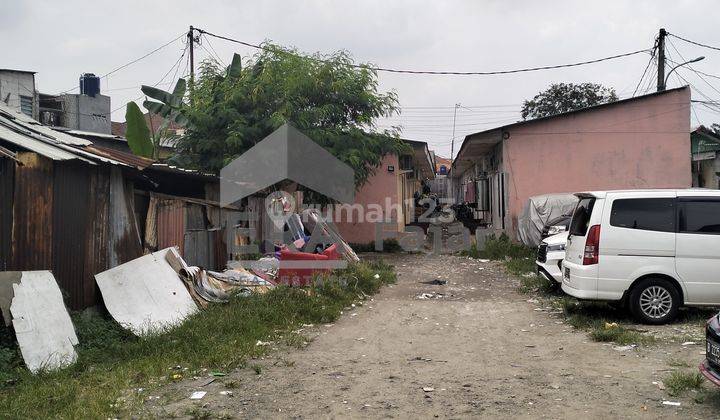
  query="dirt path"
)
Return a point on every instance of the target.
[{"x": 482, "y": 348}]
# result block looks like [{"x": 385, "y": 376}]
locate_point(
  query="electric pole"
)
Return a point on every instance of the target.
[
  {"x": 452, "y": 142},
  {"x": 191, "y": 43},
  {"x": 661, "y": 60}
]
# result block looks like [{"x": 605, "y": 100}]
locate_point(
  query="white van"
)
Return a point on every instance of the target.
[{"x": 653, "y": 250}]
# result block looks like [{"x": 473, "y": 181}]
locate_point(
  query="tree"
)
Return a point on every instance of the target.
[
  {"x": 564, "y": 97},
  {"x": 144, "y": 141},
  {"x": 331, "y": 101}
]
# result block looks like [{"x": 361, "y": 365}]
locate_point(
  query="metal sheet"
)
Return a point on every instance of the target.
[
  {"x": 72, "y": 217},
  {"x": 30, "y": 124},
  {"x": 124, "y": 236},
  {"x": 97, "y": 254},
  {"x": 43, "y": 328},
  {"x": 199, "y": 249},
  {"x": 32, "y": 213},
  {"x": 7, "y": 180},
  {"x": 146, "y": 295},
  {"x": 171, "y": 224},
  {"x": 48, "y": 150}
]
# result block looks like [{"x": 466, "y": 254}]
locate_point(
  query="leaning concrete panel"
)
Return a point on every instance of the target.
[
  {"x": 145, "y": 295},
  {"x": 42, "y": 324}
]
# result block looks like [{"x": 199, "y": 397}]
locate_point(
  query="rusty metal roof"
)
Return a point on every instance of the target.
[{"x": 119, "y": 156}]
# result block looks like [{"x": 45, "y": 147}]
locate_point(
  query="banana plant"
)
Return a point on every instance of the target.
[{"x": 144, "y": 141}]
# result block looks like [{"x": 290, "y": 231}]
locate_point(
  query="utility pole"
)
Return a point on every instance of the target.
[
  {"x": 452, "y": 143},
  {"x": 661, "y": 60},
  {"x": 191, "y": 43}
]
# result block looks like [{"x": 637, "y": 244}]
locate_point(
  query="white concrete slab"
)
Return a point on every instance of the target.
[
  {"x": 42, "y": 324},
  {"x": 145, "y": 295}
]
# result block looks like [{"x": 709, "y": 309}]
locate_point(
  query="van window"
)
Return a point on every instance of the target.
[
  {"x": 581, "y": 216},
  {"x": 700, "y": 217},
  {"x": 656, "y": 214}
]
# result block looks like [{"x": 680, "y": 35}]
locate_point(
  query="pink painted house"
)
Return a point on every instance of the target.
[
  {"x": 388, "y": 195},
  {"x": 641, "y": 142}
]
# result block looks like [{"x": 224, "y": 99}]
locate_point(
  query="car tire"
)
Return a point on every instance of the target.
[{"x": 654, "y": 301}]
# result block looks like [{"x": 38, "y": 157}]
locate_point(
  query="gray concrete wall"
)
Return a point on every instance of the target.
[
  {"x": 88, "y": 113},
  {"x": 15, "y": 84}
]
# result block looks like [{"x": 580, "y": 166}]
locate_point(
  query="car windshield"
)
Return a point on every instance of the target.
[{"x": 581, "y": 216}]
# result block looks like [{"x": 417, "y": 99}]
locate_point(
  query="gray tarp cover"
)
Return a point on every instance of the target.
[{"x": 538, "y": 210}]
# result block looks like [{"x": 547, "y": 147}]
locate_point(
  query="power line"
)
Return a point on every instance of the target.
[
  {"x": 177, "y": 64},
  {"x": 699, "y": 44},
  {"x": 131, "y": 62},
  {"x": 427, "y": 72},
  {"x": 652, "y": 57}
]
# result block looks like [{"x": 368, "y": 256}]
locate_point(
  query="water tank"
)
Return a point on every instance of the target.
[{"x": 89, "y": 84}]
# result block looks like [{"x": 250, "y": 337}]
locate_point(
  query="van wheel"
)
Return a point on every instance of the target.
[{"x": 654, "y": 301}]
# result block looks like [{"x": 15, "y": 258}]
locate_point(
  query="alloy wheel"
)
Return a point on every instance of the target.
[{"x": 656, "y": 302}]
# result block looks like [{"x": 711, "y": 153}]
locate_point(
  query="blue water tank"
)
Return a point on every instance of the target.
[{"x": 89, "y": 84}]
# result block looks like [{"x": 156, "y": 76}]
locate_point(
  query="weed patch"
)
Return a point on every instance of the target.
[
  {"x": 678, "y": 383},
  {"x": 222, "y": 337}
]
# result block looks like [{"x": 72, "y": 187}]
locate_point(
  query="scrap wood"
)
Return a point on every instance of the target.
[
  {"x": 42, "y": 325},
  {"x": 146, "y": 295}
]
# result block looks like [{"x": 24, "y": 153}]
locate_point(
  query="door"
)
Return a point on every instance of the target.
[{"x": 698, "y": 249}]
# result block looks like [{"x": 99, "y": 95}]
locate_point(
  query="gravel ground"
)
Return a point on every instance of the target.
[{"x": 472, "y": 347}]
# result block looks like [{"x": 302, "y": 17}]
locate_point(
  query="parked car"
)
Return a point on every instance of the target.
[
  {"x": 556, "y": 225},
  {"x": 710, "y": 367},
  {"x": 652, "y": 250},
  {"x": 550, "y": 255}
]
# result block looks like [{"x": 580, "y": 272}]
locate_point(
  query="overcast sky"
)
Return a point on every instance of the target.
[{"x": 61, "y": 39}]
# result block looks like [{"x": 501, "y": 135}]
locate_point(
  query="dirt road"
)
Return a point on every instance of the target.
[{"x": 482, "y": 349}]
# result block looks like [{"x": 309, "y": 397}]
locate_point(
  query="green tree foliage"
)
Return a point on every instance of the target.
[
  {"x": 144, "y": 141},
  {"x": 332, "y": 102},
  {"x": 565, "y": 97}
]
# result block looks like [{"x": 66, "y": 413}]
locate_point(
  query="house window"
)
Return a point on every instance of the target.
[
  {"x": 405, "y": 162},
  {"x": 26, "y": 105}
]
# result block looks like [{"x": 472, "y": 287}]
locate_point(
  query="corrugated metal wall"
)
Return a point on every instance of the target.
[
  {"x": 171, "y": 224},
  {"x": 72, "y": 218},
  {"x": 32, "y": 213},
  {"x": 7, "y": 176}
]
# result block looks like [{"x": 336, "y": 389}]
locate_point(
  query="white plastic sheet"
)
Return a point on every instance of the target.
[
  {"x": 146, "y": 295},
  {"x": 43, "y": 328},
  {"x": 538, "y": 210}
]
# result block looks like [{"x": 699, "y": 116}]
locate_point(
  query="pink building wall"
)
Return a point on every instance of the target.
[
  {"x": 642, "y": 143},
  {"x": 380, "y": 186}
]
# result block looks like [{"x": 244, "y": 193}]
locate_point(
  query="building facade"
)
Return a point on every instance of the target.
[{"x": 642, "y": 142}]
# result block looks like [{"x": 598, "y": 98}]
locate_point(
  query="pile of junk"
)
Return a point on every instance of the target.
[{"x": 160, "y": 290}]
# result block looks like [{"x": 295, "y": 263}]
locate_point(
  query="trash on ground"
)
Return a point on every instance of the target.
[
  {"x": 625, "y": 348},
  {"x": 428, "y": 389},
  {"x": 672, "y": 403},
  {"x": 688, "y": 343},
  {"x": 659, "y": 384},
  {"x": 424, "y": 296},
  {"x": 611, "y": 325},
  {"x": 436, "y": 282},
  {"x": 146, "y": 295},
  {"x": 44, "y": 331},
  {"x": 227, "y": 393},
  {"x": 198, "y": 395}
]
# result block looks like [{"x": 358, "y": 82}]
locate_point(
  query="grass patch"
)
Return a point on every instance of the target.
[
  {"x": 602, "y": 321},
  {"x": 112, "y": 364},
  {"x": 678, "y": 383}
]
